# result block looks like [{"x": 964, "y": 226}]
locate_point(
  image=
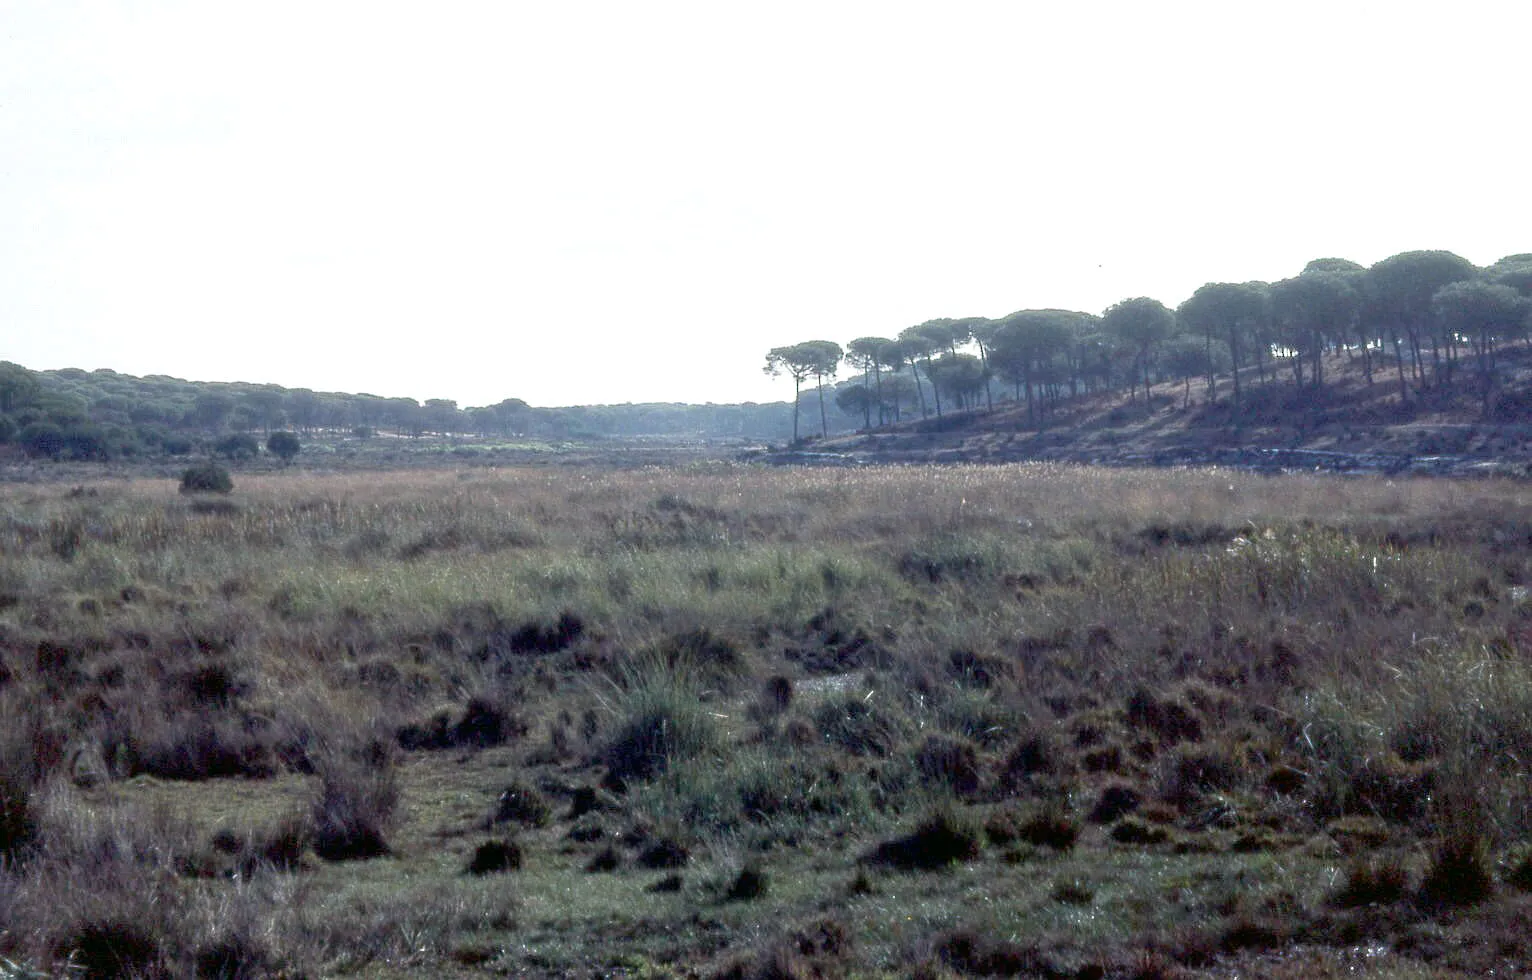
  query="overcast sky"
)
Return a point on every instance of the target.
[{"x": 601, "y": 202}]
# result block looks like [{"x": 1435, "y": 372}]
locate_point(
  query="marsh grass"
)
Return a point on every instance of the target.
[{"x": 1261, "y": 686}]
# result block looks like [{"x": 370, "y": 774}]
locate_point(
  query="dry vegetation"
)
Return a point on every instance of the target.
[{"x": 725, "y": 721}]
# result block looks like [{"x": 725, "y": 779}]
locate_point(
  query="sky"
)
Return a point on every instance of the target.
[{"x": 600, "y": 202}]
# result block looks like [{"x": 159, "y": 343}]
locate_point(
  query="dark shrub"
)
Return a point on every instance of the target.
[
  {"x": 42, "y": 440},
  {"x": 495, "y": 856},
  {"x": 283, "y": 445},
  {"x": 238, "y": 445},
  {"x": 663, "y": 721},
  {"x": 206, "y": 478},
  {"x": 1193, "y": 771},
  {"x": 938, "y": 842}
]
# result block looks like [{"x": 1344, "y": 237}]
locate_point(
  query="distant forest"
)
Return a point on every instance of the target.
[
  {"x": 1428, "y": 323},
  {"x": 103, "y": 415}
]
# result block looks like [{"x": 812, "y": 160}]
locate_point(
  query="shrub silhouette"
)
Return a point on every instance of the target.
[
  {"x": 206, "y": 478},
  {"x": 284, "y": 445}
]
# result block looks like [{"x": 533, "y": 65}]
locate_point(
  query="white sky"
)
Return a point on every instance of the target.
[{"x": 627, "y": 201}]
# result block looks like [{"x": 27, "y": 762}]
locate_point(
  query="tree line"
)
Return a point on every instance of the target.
[
  {"x": 103, "y": 415},
  {"x": 1432, "y": 320}
]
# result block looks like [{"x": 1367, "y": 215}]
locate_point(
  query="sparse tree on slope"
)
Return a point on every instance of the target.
[
  {"x": 1230, "y": 311},
  {"x": 1485, "y": 314},
  {"x": 1400, "y": 289},
  {"x": 818, "y": 358},
  {"x": 1140, "y": 324}
]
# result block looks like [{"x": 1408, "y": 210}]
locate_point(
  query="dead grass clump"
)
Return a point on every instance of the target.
[
  {"x": 536, "y": 637},
  {"x": 1170, "y": 718},
  {"x": 355, "y": 805},
  {"x": 18, "y": 776},
  {"x": 970, "y": 953},
  {"x": 1040, "y": 826},
  {"x": 949, "y": 763},
  {"x": 941, "y": 840},
  {"x": 751, "y": 883},
  {"x": 858, "y": 726},
  {"x": 1460, "y": 872},
  {"x": 1132, "y": 830},
  {"x": 664, "y": 853},
  {"x": 520, "y": 802},
  {"x": 660, "y": 721},
  {"x": 113, "y": 947},
  {"x": 1036, "y": 753},
  {"x": 1116, "y": 800},
  {"x": 1373, "y": 881},
  {"x": 279, "y": 846},
  {"x": 1191, "y": 772}
]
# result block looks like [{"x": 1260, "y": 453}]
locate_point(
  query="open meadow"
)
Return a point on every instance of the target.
[{"x": 723, "y": 720}]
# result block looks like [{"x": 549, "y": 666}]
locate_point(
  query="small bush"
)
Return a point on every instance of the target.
[
  {"x": 206, "y": 478},
  {"x": 238, "y": 445},
  {"x": 284, "y": 445}
]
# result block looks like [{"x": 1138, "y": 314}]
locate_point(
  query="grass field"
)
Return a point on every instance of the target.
[{"x": 727, "y": 721}]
